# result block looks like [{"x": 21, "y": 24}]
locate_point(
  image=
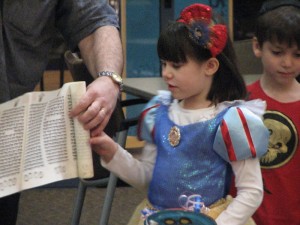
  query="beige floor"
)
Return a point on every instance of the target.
[{"x": 53, "y": 206}]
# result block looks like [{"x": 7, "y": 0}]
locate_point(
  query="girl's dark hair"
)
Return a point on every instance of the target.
[
  {"x": 175, "y": 44},
  {"x": 280, "y": 24}
]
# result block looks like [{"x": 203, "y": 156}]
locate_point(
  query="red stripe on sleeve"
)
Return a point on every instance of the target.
[
  {"x": 142, "y": 117},
  {"x": 227, "y": 140},
  {"x": 247, "y": 132}
]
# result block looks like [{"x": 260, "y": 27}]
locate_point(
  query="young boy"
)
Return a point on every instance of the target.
[{"x": 277, "y": 43}]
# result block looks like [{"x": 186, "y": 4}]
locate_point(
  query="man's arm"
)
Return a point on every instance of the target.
[{"x": 101, "y": 51}]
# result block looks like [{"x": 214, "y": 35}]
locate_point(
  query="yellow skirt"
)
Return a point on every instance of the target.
[{"x": 214, "y": 212}]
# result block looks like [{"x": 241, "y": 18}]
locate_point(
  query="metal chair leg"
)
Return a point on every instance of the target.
[
  {"x": 111, "y": 187},
  {"x": 107, "y": 205},
  {"x": 79, "y": 203}
]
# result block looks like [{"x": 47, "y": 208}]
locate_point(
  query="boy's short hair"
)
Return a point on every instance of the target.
[
  {"x": 273, "y": 4},
  {"x": 278, "y": 21}
]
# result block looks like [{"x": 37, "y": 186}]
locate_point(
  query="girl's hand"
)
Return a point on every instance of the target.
[{"x": 104, "y": 146}]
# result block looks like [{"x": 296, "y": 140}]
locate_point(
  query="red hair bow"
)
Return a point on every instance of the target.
[{"x": 204, "y": 31}]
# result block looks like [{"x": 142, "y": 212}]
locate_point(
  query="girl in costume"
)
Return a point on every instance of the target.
[{"x": 200, "y": 133}]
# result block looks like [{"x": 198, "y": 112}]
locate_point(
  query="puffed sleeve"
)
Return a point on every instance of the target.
[
  {"x": 241, "y": 135},
  {"x": 145, "y": 130}
]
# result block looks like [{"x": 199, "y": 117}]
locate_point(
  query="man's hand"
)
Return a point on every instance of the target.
[{"x": 96, "y": 106}]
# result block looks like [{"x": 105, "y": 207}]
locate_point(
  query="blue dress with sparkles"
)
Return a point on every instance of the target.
[{"x": 199, "y": 164}]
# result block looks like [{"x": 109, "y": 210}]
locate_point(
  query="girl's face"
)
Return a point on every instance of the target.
[
  {"x": 189, "y": 81},
  {"x": 281, "y": 63}
]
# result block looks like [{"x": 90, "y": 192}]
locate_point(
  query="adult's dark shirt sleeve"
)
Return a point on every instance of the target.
[
  {"x": 28, "y": 30},
  {"x": 77, "y": 19}
]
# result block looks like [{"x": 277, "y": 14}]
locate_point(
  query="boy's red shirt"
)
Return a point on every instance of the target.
[{"x": 281, "y": 164}]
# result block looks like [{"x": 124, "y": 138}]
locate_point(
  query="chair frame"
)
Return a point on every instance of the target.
[
  {"x": 79, "y": 72},
  {"x": 110, "y": 182}
]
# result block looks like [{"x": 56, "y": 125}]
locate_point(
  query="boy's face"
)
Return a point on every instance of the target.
[{"x": 281, "y": 62}]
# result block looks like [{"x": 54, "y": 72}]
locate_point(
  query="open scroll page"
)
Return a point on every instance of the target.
[{"x": 39, "y": 142}]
